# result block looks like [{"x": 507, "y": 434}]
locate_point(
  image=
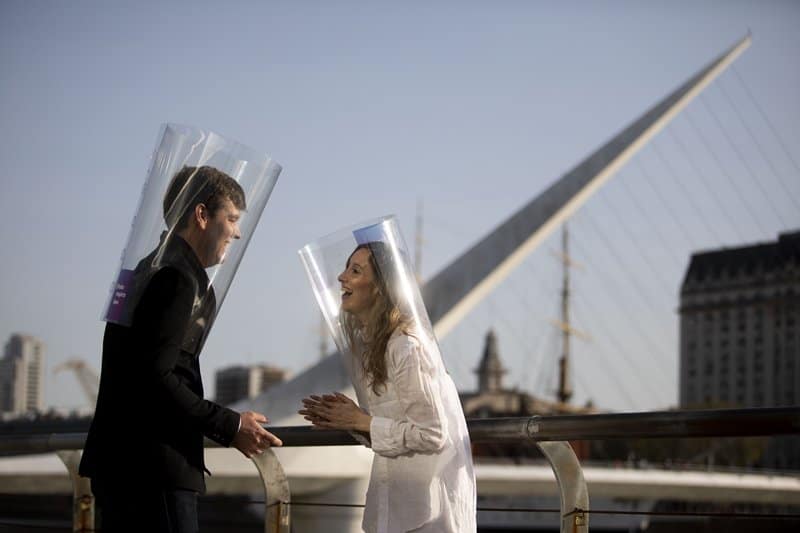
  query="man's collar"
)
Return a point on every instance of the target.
[{"x": 180, "y": 244}]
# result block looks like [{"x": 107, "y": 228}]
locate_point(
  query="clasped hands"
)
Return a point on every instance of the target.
[
  {"x": 252, "y": 439},
  {"x": 335, "y": 411}
]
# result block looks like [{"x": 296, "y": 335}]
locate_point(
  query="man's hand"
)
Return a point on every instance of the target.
[{"x": 252, "y": 438}]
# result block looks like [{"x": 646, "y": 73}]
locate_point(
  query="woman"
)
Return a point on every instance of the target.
[{"x": 422, "y": 478}]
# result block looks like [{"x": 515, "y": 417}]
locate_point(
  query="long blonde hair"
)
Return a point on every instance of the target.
[{"x": 371, "y": 337}]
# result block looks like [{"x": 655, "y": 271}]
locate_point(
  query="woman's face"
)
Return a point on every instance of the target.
[{"x": 358, "y": 283}]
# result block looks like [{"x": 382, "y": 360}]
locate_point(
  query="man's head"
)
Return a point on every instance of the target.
[{"x": 203, "y": 205}]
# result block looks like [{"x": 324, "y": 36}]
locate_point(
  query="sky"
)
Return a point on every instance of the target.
[{"x": 469, "y": 108}]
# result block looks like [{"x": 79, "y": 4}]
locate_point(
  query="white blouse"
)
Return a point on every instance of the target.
[{"x": 422, "y": 477}]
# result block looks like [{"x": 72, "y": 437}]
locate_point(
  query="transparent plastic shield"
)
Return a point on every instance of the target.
[
  {"x": 191, "y": 166},
  {"x": 351, "y": 307}
]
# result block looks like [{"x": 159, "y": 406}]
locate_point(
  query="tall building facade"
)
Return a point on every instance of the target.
[
  {"x": 740, "y": 329},
  {"x": 240, "y": 382},
  {"x": 21, "y": 373}
]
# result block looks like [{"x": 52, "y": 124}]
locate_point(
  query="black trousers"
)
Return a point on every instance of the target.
[{"x": 124, "y": 509}]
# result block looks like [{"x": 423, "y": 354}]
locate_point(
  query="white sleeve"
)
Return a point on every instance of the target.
[{"x": 420, "y": 428}]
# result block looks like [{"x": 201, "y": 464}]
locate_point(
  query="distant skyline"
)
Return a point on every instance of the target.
[{"x": 472, "y": 107}]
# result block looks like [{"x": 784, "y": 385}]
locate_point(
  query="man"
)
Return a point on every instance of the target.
[{"x": 144, "y": 451}]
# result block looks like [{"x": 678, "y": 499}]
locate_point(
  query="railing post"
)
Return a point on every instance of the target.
[
  {"x": 571, "y": 485},
  {"x": 82, "y": 497},
  {"x": 276, "y": 492}
]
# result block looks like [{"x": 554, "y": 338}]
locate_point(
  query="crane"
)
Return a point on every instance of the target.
[{"x": 87, "y": 376}]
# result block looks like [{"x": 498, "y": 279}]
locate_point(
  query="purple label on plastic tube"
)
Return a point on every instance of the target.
[{"x": 120, "y": 296}]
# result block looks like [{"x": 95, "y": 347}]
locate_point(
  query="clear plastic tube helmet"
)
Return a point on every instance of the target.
[
  {"x": 380, "y": 244},
  {"x": 411, "y": 413},
  {"x": 193, "y": 173}
]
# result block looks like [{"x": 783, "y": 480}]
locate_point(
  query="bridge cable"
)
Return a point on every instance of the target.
[
  {"x": 662, "y": 201},
  {"x": 772, "y": 128},
  {"x": 630, "y": 274},
  {"x": 743, "y": 160},
  {"x": 615, "y": 375},
  {"x": 631, "y": 238},
  {"x": 704, "y": 181},
  {"x": 718, "y": 160},
  {"x": 686, "y": 193},
  {"x": 648, "y": 216},
  {"x": 760, "y": 147},
  {"x": 615, "y": 298}
]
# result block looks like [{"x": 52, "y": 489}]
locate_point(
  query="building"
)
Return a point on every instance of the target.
[
  {"x": 739, "y": 326},
  {"x": 493, "y": 400},
  {"x": 21, "y": 372},
  {"x": 245, "y": 382},
  {"x": 739, "y": 312}
]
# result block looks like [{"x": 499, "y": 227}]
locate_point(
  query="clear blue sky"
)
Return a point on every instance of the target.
[{"x": 475, "y": 107}]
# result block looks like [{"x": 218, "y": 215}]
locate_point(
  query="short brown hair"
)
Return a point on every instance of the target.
[{"x": 199, "y": 185}]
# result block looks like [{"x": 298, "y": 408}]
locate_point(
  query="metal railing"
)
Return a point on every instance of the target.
[{"x": 549, "y": 433}]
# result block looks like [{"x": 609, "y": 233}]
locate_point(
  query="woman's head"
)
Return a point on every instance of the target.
[
  {"x": 370, "y": 306},
  {"x": 359, "y": 283},
  {"x": 370, "y": 278}
]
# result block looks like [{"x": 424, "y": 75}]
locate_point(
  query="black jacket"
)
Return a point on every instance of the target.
[{"x": 150, "y": 417}]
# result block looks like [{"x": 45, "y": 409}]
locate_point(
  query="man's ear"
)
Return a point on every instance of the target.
[{"x": 201, "y": 215}]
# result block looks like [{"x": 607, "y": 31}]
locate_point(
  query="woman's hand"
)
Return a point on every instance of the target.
[{"x": 335, "y": 411}]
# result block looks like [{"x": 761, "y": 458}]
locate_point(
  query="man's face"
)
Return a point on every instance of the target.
[{"x": 219, "y": 231}]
